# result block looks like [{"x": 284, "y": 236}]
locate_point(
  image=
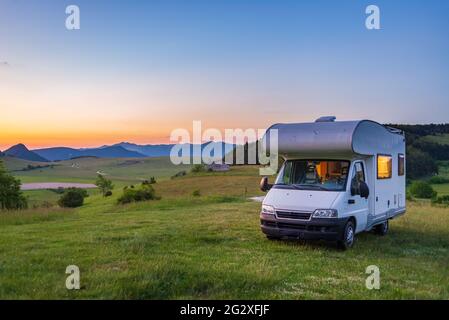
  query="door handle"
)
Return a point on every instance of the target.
[{"x": 351, "y": 201}]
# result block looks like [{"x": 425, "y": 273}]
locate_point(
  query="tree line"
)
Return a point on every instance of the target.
[{"x": 422, "y": 155}]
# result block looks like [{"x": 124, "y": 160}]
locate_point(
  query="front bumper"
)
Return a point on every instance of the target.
[{"x": 314, "y": 229}]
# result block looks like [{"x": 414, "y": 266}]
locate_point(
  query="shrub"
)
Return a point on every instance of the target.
[
  {"x": 72, "y": 198},
  {"x": 441, "y": 200},
  {"x": 196, "y": 193},
  {"x": 59, "y": 190},
  {"x": 422, "y": 189},
  {"x": 438, "y": 180},
  {"x": 152, "y": 180},
  {"x": 46, "y": 204},
  {"x": 11, "y": 197},
  {"x": 108, "y": 193},
  {"x": 198, "y": 168},
  {"x": 144, "y": 193},
  {"x": 179, "y": 174},
  {"x": 104, "y": 185}
]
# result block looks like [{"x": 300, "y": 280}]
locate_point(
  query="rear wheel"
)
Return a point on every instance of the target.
[
  {"x": 382, "y": 229},
  {"x": 348, "y": 238}
]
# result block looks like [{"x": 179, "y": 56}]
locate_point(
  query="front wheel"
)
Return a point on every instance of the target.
[
  {"x": 382, "y": 229},
  {"x": 348, "y": 238}
]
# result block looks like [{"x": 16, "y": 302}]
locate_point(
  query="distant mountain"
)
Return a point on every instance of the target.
[
  {"x": 163, "y": 150},
  {"x": 64, "y": 153},
  {"x": 21, "y": 151},
  {"x": 110, "y": 152},
  {"x": 150, "y": 150},
  {"x": 121, "y": 150},
  {"x": 58, "y": 153}
]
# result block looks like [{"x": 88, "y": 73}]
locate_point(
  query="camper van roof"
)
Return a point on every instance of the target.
[{"x": 334, "y": 139}]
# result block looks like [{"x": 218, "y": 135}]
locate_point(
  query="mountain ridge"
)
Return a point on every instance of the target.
[
  {"x": 65, "y": 153},
  {"x": 118, "y": 150},
  {"x": 22, "y": 152}
]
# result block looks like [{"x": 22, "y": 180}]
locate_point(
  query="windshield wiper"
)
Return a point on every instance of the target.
[
  {"x": 289, "y": 185},
  {"x": 306, "y": 186}
]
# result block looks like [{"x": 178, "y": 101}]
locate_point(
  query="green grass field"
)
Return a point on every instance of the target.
[
  {"x": 85, "y": 170},
  {"x": 210, "y": 247},
  {"x": 438, "y": 138},
  {"x": 122, "y": 171},
  {"x": 443, "y": 171}
]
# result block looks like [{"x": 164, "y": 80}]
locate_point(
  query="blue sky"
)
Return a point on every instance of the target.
[{"x": 146, "y": 67}]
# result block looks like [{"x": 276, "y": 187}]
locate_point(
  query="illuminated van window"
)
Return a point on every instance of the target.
[
  {"x": 384, "y": 167},
  {"x": 401, "y": 164}
]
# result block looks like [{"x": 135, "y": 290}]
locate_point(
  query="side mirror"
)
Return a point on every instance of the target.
[
  {"x": 264, "y": 185},
  {"x": 364, "y": 190}
]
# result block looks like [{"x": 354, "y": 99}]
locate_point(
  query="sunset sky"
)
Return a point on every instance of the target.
[{"x": 136, "y": 69}]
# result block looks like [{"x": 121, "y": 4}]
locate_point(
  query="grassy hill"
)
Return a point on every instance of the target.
[
  {"x": 16, "y": 164},
  {"x": 207, "y": 247},
  {"x": 85, "y": 170},
  {"x": 121, "y": 170},
  {"x": 437, "y": 138}
]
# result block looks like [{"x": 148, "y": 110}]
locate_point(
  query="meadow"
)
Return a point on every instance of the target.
[
  {"x": 209, "y": 247},
  {"x": 85, "y": 170},
  {"x": 437, "y": 138}
]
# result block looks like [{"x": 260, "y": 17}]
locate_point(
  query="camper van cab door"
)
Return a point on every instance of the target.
[{"x": 357, "y": 206}]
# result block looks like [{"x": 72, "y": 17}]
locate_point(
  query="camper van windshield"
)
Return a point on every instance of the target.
[{"x": 328, "y": 175}]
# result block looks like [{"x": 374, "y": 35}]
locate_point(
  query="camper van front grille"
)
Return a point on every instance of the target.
[
  {"x": 282, "y": 225},
  {"x": 293, "y": 215}
]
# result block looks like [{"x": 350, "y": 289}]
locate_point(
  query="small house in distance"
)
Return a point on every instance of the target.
[{"x": 218, "y": 167}]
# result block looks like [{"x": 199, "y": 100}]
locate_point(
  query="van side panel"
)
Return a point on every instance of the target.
[{"x": 390, "y": 193}]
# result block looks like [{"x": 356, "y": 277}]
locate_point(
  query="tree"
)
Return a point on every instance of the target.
[
  {"x": 420, "y": 164},
  {"x": 143, "y": 193},
  {"x": 72, "y": 198},
  {"x": 11, "y": 196},
  {"x": 105, "y": 185},
  {"x": 422, "y": 190}
]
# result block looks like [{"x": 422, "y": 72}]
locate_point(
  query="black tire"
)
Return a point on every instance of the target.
[
  {"x": 382, "y": 229},
  {"x": 272, "y": 238},
  {"x": 348, "y": 237}
]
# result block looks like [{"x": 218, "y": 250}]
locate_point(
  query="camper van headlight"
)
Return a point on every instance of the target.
[
  {"x": 325, "y": 213},
  {"x": 267, "y": 209}
]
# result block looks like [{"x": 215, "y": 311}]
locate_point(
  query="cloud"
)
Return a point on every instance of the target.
[{"x": 4, "y": 64}]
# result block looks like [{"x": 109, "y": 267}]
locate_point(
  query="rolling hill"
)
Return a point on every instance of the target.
[{"x": 86, "y": 169}]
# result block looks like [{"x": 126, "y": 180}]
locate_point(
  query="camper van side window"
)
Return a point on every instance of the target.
[
  {"x": 360, "y": 174},
  {"x": 357, "y": 176},
  {"x": 401, "y": 164},
  {"x": 384, "y": 166}
]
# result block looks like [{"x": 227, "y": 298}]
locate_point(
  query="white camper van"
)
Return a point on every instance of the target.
[{"x": 339, "y": 178}]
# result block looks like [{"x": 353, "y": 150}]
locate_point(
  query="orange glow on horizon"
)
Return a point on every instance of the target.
[
  {"x": 38, "y": 138},
  {"x": 76, "y": 141}
]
